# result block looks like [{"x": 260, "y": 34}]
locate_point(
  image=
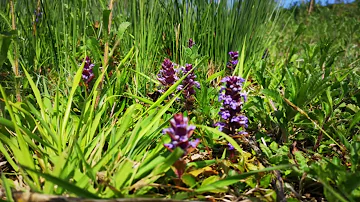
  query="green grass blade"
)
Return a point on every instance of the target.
[
  {"x": 235, "y": 179},
  {"x": 75, "y": 84},
  {"x": 219, "y": 133},
  {"x": 64, "y": 184},
  {"x": 7, "y": 188}
]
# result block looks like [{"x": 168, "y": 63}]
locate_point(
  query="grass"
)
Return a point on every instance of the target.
[{"x": 63, "y": 135}]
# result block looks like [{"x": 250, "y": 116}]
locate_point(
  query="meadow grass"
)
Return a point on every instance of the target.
[{"x": 99, "y": 135}]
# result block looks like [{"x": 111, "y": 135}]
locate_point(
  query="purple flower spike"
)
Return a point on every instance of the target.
[
  {"x": 180, "y": 133},
  {"x": 232, "y": 101},
  {"x": 87, "y": 74},
  {"x": 191, "y": 43},
  {"x": 167, "y": 75},
  {"x": 188, "y": 85},
  {"x": 189, "y": 82},
  {"x": 234, "y": 55},
  {"x": 234, "y": 59}
]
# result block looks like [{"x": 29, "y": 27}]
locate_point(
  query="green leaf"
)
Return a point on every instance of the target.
[
  {"x": 37, "y": 94},
  {"x": 168, "y": 162},
  {"x": 25, "y": 157},
  {"x": 301, "y": 160},
  {"x": 355, "y": 119},
  {"x": 64, "y": 184},
  {"x": 5, "y": 41},
  {"x": 235, "y": 179},
  {"x": 273, "y": 94},
  {"x": 274, "y": 146},
  {"x": 227, "y": 137},
  {"x": 75, "y": 84},
  {"x": 8, "y": 157},
  {"x": 266, "y": 150},
  {"x": 215, "y": 75},
  {"x": 122, "y": 28},
  {"x": 106, "y": 14},
  {"x": 239, "y": 69},
  {"x": 145, "y": 168},
  {"x": 6, "y": 186},
  {"x": 211, "y": 180},
  {"x": 94, "y": 46},
  {"x": 189, "y": 180},
  {"x": 201, "y": 164}
]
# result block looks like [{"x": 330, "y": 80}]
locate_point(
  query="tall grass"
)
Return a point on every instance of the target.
[
  {"x": 158, "y": 29},
  {"x": 65, "y": 137}
]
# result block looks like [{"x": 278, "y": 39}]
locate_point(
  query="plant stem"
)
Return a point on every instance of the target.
[
  {"x": 106, "y": 50},
  {"x": 16, "y": 63}
]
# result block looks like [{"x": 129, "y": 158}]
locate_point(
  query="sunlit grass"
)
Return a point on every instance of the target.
[{"x": 62, "y": 134}]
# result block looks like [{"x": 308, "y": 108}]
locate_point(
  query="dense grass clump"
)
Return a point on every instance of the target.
[{"x": 201, "y": 100}]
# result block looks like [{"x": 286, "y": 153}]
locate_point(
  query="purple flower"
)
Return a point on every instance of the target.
[
  {"x": 180, "y": 132},
  {"x": 234, "y": 62},
  {"x": 232, "y": 101},
  {"x": 234, "y": 55},
  {"x": 38, "y": 14},
  {"x": 230, "y": 147},
  {"x": 188, "y": 85},
  {"x": 87, "y": 74},
  {"x": 189, "y": 82},
  {"x": 221, "y": 125},
  {"x": 191, "y": 43},
  {"x": 234, "y": 59},
  {"x": 167, "y": 75}
]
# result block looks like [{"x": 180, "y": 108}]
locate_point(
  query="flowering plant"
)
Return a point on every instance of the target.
[
  {"x": 232, "y": 98},
  {"x": 234, "y": 59},
  {"x": 169, "y": 75},
  {"x": 191, "y": 43},
  {"x": 87, "y": 74},
  {"x": 180, "y": 132}
]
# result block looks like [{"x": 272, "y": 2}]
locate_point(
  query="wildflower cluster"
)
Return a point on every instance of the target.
[
  {"x": 234, "y": 59},
  {"x": 87, "y": 74},
  {"x": 169, "y": 75},
  {"x": 232, "y": 101},
  {"x": 180, "y": 132}
]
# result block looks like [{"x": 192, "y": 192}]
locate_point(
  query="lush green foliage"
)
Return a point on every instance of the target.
[{"x": 60, "y": 134}]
